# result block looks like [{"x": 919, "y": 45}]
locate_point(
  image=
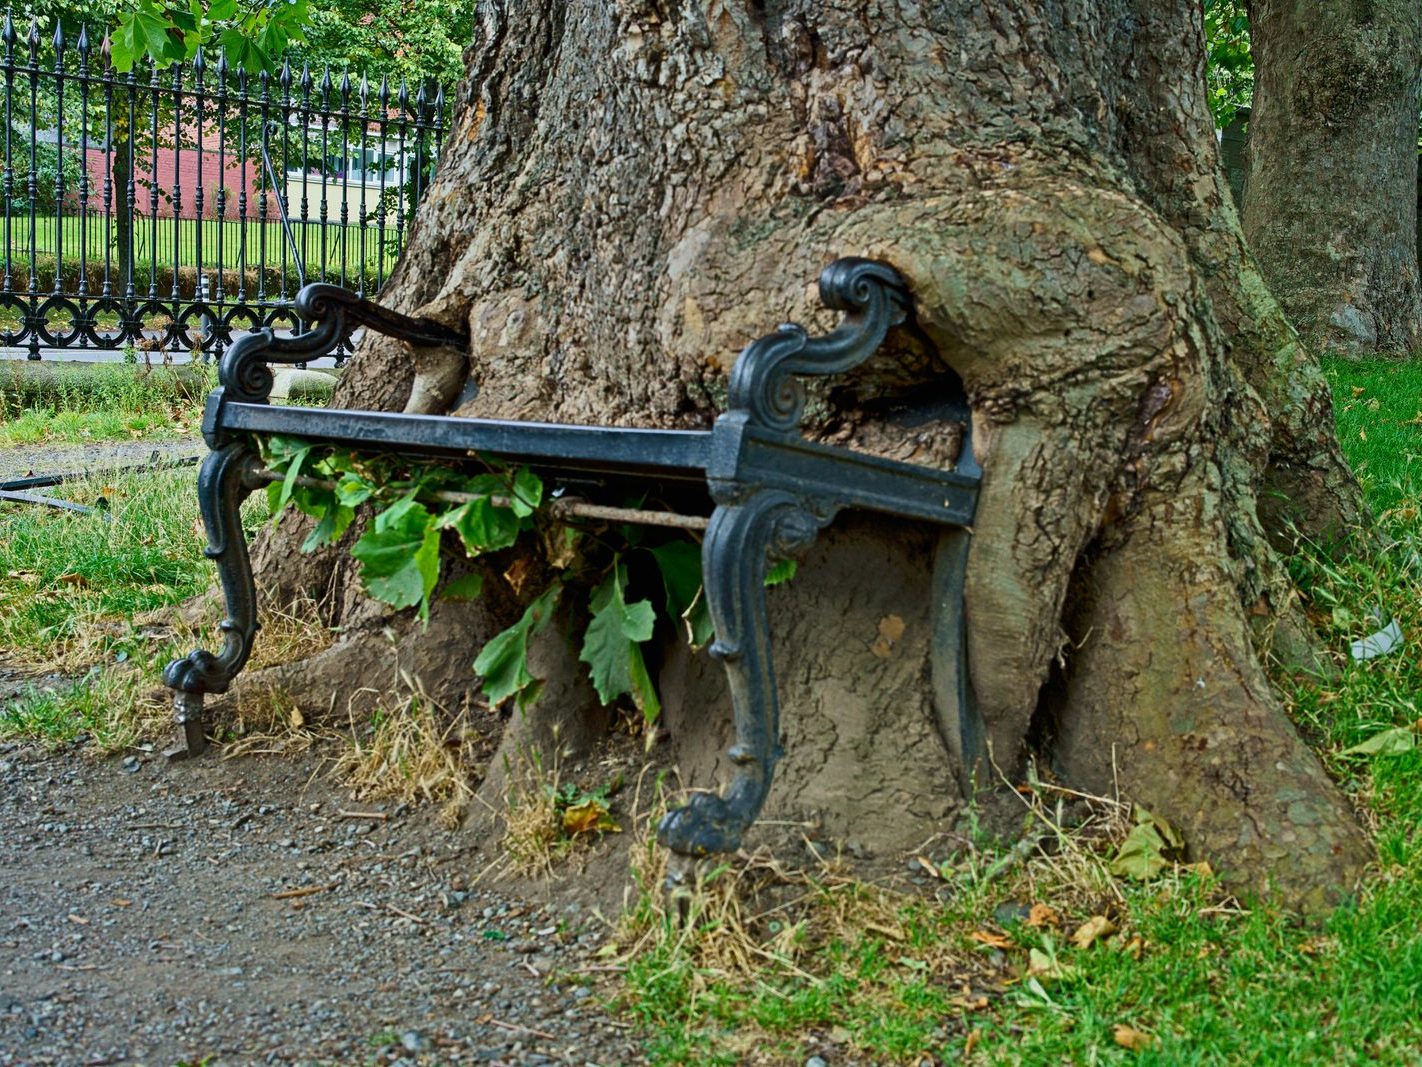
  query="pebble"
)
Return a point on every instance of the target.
[
  {"x": 816, "y": 1061},
  {"x": 131, "y": 765}
]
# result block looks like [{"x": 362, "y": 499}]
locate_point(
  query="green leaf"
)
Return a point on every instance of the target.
[
  {"x": 221, "y": 10},
  {"x": 482, "y": 526},
  {"x": 1151, "y": 846},
  {"x": 611, "y": 646},
  {"x": 1391, "y": 742},
  {"x": 527, "y": 493},
  {"x": 465, "y": 587},
  {"x": 399, "y": 556},
  {"x": 353, "y": 490},
  {"x": 781, "y": 572},
  {"x": 279, "y": 493},
  {"x": 700, "y": 630},
  {"x": 680, "y": 564},
  {"x": 335, "y": 519},
  {"x": 503, "y": 662}
]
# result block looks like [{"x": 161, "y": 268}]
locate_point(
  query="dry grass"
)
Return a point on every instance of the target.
[{"x": 417, "y": 753}]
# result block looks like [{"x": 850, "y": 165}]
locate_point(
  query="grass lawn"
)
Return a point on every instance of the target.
[
  {"x": 1184, "y": 976},
  {"x": 1006, "y": 968},
  {"x": 78, "y": 403},
  {"x": 233, "y": 243}
]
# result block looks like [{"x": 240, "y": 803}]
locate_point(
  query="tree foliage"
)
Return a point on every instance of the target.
[{"x": 1230, "y": 64}]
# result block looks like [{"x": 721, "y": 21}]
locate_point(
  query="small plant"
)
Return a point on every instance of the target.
[{"x": 546, "y": 818}]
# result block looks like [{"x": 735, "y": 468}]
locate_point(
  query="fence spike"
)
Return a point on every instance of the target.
[
  {"x": 439, "y": 106},
  {"x": 82, "y": 44},
  {"x": 403, "y": 96},
  {"x": 346, "y": 88},
  {"x": 58, "y": 40},
  {"x": 306, "y": 78},
  {"x": 7, "y": 33},
  {"x": 384, "y": 91},
  {"x": 199, "y": 64},
  {"x": 285, "y": 78},
  {"x": 364, "y": 91},
  {"x": 34, "y": 41},
  {"x": 221, "y": 69},
  {"x": 326, "y": 83}
]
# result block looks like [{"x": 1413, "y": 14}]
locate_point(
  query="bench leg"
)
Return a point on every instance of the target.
[
  {"x": 741, "y": 542},
  {"x": 224, "y": 481}
]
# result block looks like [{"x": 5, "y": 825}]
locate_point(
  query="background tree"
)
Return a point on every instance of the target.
[
  {"x": 1330, "y": 207},
  {"x": 633, "y": 192}
]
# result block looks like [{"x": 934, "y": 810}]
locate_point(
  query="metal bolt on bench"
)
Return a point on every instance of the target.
[{"x": 771, "y": 491}]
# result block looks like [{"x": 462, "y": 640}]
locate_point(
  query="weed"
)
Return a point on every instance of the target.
[{"x": 546, "y": 817}]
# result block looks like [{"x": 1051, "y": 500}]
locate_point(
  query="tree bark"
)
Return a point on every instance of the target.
[
  {"x": 633, "y": 192},
  {"x": 1330, "y": 206}
]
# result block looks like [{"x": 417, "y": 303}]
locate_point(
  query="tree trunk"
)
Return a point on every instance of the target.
[
  {"x": 1330, "y": 207},
  {"x": 632, "y": 192}
]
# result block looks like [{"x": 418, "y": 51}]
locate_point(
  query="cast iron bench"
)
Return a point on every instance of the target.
[{"x": 768, "y": 489}]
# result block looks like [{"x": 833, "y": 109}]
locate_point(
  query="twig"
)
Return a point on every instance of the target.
[
  {"x": 304, "y": 891},
  {"x": 84, "y": 966},
  {"x": 516, "y": 1028},
  {"x": 405, "y": 914},
  {"x": 378, "y": 815}
]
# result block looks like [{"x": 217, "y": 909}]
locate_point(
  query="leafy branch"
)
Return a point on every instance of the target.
[{"x": 401, "y": 559}]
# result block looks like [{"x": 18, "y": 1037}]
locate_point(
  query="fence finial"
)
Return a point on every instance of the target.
[
  {"x": 58, "y": 40},
  {"x": 82, "y": 44},
  {"x": 34, "y": 40},
  {"x": 7, "y": 33}
]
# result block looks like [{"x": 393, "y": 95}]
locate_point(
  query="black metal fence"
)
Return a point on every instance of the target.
[{"x": 171, "y": 209}]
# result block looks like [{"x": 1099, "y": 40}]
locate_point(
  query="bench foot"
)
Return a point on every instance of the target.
[
  {"x": 743, "y": 540},
  {"x": 187, "y": 716},
  {"x": 224, "y": 481}
]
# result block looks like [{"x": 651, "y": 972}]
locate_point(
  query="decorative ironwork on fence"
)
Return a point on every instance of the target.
[{"x": 138, "y": 209}]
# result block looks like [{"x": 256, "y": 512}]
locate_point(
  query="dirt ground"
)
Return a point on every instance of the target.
[{"x": 248, "y": 911}]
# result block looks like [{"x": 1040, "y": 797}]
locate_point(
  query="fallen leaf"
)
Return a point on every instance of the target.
[
  {"x": 1093, "y": 930},
  {"x": 120, "y": 902},
  {"x": 76, "y": 580},
  {"x": 519, "y": 573},
  {"x": 1128, "y": 1037},
  {"x": 1042, "y": 915},
  {"x": 1390, "y": 742},
  {"x": 929, "y": 866},
  {"x": 588, "y": 815},
  {"x": 987, "y": 937},
  {"x": 1042, "y": 964},
  {"x": 1148, "y": 849},
  {"x": 974, "y": 1036},
  {"x": 891, "y": 628}
]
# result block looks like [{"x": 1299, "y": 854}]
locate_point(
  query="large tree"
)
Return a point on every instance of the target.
[
  {"x": 1331, "y": 202},
  {"x": 633, "y": 191}
]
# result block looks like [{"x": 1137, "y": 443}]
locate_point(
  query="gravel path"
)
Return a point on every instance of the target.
[
  {"x": 236, "y": 912},
  {"x": 24, "y": 460}
]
